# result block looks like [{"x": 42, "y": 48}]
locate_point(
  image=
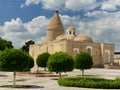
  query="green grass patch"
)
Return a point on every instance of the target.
[{"x": 90, "y": 82}]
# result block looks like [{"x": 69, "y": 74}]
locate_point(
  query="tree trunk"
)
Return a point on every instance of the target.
[
  {"x": 14, "y": 78},
  {"x": 59, "y": 74},
  {"x": 44, "y": 68},
  {"x": 82, "y": 72},
  {"x": 37, "y": 70}
]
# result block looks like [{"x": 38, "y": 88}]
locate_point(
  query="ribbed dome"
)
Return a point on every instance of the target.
[
  {"x": 83, "y": 38},
  {"x": 71, "y": 28}
]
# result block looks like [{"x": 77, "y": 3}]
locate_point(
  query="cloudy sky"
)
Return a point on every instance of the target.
[{"x": 22, "y": 20}]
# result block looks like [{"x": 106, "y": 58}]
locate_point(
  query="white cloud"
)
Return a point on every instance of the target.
[
  {"x": 53, "y": 4},
  {"x": 77, "y": 5},
  {"x": 29, "y": 2},
  {"x": 74, "y": 5},
  {"x": 18, "y": 32},
  {"x": 110, "y": 5},
  {"x": 37, "y": 25}
]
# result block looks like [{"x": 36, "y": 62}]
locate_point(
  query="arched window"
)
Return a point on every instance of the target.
[
  {"x": 89, "y": 50},
  {"x": 70, "y": 32},
  {"x": 76, "y": 51},
  {"x": 73, "y": 32}
]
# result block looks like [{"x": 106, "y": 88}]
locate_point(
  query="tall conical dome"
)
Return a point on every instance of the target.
[{"x": 54, "y": 28}]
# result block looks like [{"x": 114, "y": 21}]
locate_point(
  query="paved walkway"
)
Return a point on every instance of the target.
[{"x": 48, "y": 83}]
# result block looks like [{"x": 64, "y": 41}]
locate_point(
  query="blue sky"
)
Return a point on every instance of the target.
[{"x": 22, "y": 20}]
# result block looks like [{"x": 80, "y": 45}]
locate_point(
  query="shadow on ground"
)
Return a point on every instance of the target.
[{"x": 22, "y": 86}]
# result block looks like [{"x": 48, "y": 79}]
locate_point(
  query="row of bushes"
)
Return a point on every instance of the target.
[
  {"x": 63, "y": 62},
  {"x": 90, "y": 82}
]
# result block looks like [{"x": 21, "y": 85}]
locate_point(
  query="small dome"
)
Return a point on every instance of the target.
[
  {"x": 60, "y": 37},
  {"x": 83, "y": 38},
  {"x": 65, "y": 37},
  {"x": 69, "y": 37},
  {"x": 71, "y": 28}
]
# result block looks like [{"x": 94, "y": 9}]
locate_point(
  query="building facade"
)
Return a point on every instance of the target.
[{"x": 56, "y": 41}]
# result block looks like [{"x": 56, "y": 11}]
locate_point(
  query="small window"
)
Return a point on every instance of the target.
[
  {"x": 89, "y": 50},
  {"x": 73, "y": 32},
  {"x": 70, "y": 32}
]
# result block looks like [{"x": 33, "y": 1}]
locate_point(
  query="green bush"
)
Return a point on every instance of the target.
[
  {"x": 15, "y": 60},
  {"x": 90, "y": 82},
  {"x": 60, "y": 62},
  {"x": 42, "y": 59},
  {"x": 83, "y": 61}
]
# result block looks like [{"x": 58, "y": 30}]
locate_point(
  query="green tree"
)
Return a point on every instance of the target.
[
  {"x": 15, "y": 60},
  {"x": 5, "y": 44},
  {"x": 83, "y": 61},
  {"x": 26, "y": 46},
  {"x": 60, "y": 62},
  {"x": 42, "y": 59}
]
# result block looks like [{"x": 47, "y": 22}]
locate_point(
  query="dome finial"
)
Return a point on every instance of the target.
[{"x": 56, "y": 11}]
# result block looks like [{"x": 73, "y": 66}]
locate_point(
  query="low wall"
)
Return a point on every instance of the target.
[{"x": 108, "y": 66}]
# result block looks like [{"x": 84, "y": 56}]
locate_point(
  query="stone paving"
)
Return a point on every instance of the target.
[{"x": 49, "y": 83}]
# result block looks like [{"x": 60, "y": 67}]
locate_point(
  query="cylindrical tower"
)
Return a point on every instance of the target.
[{"x": 54, "y": 28}]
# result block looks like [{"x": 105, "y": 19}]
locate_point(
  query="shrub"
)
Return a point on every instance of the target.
[
  {"x": 90, "y": 82},
  {"x": 42, "y": 60},
  {"x": 83, "y": 61},
  {"x": 15, "y": 60},
  {"x": 60, "y": 62}
]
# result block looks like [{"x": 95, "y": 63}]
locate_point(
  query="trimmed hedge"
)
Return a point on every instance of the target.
[
  {"x": 90, "y": 82},
  {"x": 42, "y": 59},
  {"x": 60, "y": 62}
]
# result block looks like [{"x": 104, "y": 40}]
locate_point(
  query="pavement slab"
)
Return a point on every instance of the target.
[{"x": 50, "y": 83}]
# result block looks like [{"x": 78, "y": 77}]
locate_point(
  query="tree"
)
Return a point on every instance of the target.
[
  {"x": 15, "y": 60},
  {"x": 5, "y": 44},
  {"x": 26, "y": 46},
  {"x": 42, "y": 60},
  {"x": 60, "y": 62},
  {"x": 83, "y": 61}
]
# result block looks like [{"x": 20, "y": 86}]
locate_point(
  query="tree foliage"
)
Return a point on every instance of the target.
[
  {"x": 42, "y": 59},
  {"x": 5, "y": 44},
  {"x": 26, "y": 46},
  {"x": 15, "y": 60},
  {"x": 83, "y": 61},
  {"x": 60, "y": 62}
]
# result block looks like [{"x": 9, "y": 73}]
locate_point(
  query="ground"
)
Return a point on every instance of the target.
[{"x": 49, "y": 83}]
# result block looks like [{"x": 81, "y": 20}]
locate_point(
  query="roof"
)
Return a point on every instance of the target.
[
  {"x": 71, "y": 28},
  {"x": 55, "y": 22},
  {"x": 83, "y": 38}
]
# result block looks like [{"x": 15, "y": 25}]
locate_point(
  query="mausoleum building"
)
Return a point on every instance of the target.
[{"x": 72, "y": 43}]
